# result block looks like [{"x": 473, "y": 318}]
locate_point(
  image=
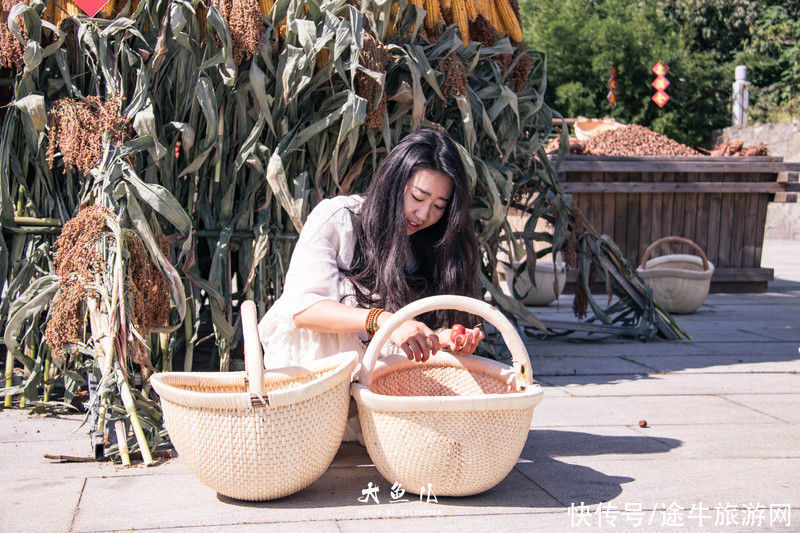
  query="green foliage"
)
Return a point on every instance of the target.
[
  {"x": 773, "y": 59},
  {"x": 762, "y": 34},
  {"x": 584, "y": 38},
  {"x": 700, "y": 40},
  {"x": 719, "y": 27}
]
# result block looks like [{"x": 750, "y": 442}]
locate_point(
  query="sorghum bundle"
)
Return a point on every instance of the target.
[
  {"x": 483, "y": 31},
  {"x": 77, "y": 263},
  {"x": 522, "y": 70},
  {"x": 374, "y": 56},
  {"x": 10, "y": 48},
  {"x": 148, "y": 286},
  {"x": 245, "y": 24},
  {"x": 580, "y": 303},
  {"x": 454, "y": 74},
  {"x": 77, "y": 127}
]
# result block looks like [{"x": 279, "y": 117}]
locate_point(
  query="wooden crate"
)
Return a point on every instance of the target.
[{"x": 718, "y": 202}]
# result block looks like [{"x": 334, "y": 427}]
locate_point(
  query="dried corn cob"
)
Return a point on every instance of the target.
[
  {"x": 120, "y": 7},
  {"x": 63, "y": 9},
  {"x": 391, "y": 28},
  {"x": 494, "y": 14},
  {"x": 471, "y": 11},
  {"x": 509, "y": 20},
  {"x": 433, "y": 14},
  {"x": 265, "y": 6},
  {"x": 50, "y": 11},
  {"x": 108, "y": 11},
  {"x": 482, "y": 7},
  {"x": 71, "y": 7},
  {"x": 461, "y": 18},
  {"x": 201, "y": 17},
  {"x": 323, "y": 58}
]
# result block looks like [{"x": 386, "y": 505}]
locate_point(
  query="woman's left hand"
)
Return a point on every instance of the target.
[{"x": 460, "y": 343}]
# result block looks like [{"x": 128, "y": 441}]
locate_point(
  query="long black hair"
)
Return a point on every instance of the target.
[{"x": 445, "y": 253}]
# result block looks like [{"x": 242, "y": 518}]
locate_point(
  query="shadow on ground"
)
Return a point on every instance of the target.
[
  {"x": 731, "y": 333},
  {"x": 538, "y": 480}
]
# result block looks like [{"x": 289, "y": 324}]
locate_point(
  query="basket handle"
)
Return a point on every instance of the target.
[
  {"x": 519, "y": 355},
  {"x": 682, "y": 240},
  {"x": 253, "y": 360}
]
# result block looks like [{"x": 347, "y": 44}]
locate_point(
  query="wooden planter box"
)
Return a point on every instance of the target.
[{"x": 718, "y": 202}]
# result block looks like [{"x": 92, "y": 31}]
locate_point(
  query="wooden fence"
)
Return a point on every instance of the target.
[{"x": 718, "y": 202}]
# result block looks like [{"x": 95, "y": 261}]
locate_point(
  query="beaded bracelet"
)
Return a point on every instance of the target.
[{"x": 371, "y": 323}]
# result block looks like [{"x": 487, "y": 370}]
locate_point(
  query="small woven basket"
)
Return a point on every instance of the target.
[
  {"x": 680, "y": 282},
  {"x": 258, "y": 435},
  {"x": 547, "y": 275},
  {"x": 456, "y": 425}
]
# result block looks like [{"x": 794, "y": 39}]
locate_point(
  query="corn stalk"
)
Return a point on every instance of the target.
[{"x": 228, "y": 159}]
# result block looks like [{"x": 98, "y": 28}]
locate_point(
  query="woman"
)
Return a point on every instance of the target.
[{"x": 358, "y": 259}]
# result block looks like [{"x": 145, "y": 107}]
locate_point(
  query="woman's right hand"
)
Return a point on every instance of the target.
[{"x": 416, "y": 339}]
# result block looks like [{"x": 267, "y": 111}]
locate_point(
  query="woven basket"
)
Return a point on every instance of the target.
[
  {"x": 258, "y": 435},
  {"x": 544, "y": 292},
  {"x": 454, "y": 424},
  {"x": 680, "y": 282}
]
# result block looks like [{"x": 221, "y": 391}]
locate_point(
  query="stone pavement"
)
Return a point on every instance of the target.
[{"x": 720, "y": 450}]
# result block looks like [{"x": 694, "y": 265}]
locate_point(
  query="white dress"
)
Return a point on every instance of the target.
[{"x": 325, "y": 246}]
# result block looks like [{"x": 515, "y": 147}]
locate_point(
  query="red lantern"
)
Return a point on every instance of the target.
[
  {"x": 612, "y": 84},
  {"x": 660, "y": 84}
]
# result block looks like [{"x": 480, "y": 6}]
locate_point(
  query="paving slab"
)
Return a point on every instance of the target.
[
  {"x": 733, "y": 441},
  {"x": 779, "y": 333},
  {"x": 677, "y": 384},
  {"x": 16, "y": 425},
  {"x": 609, "y": 441},
  {"x": 184, "y": 500},
  {"x": 521, "y": 523},
  {"x": 30, "y": 462},
  {"x": 719, "y": 364},
  {"x": 36, "y": 505},
  {"x": 627, "y": 411},
  {"x": 565, "y": 365},
  {"x": 741, "y": 331},
  {"x": 615, "y": 348},
  {"x": 321, "y": 526},
  {"x": 727, "y": 309},
  {"x": 784, "y": 296},
  {"x": 551, "y": 391},
  {"x": 655, "y": 482},
  {"x": 611, "y": 519},
  {"x": 784, "y": 407},
  {"x": 764, "y": 347}
]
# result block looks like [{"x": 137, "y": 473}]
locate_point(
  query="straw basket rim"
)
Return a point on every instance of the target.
[
  {"x": 331, "y": 370},
  {"x": 461, "y": 445},
  {"x": 548, "y": 267},
  {"x": 521, "y": 399},
  {"x": 660, "y": 267}
]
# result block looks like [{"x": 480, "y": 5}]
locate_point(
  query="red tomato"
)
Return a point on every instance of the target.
[{"x": 456, "y": 331}]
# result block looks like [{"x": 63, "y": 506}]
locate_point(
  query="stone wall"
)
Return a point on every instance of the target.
[{"x": 783, "y": 140}]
